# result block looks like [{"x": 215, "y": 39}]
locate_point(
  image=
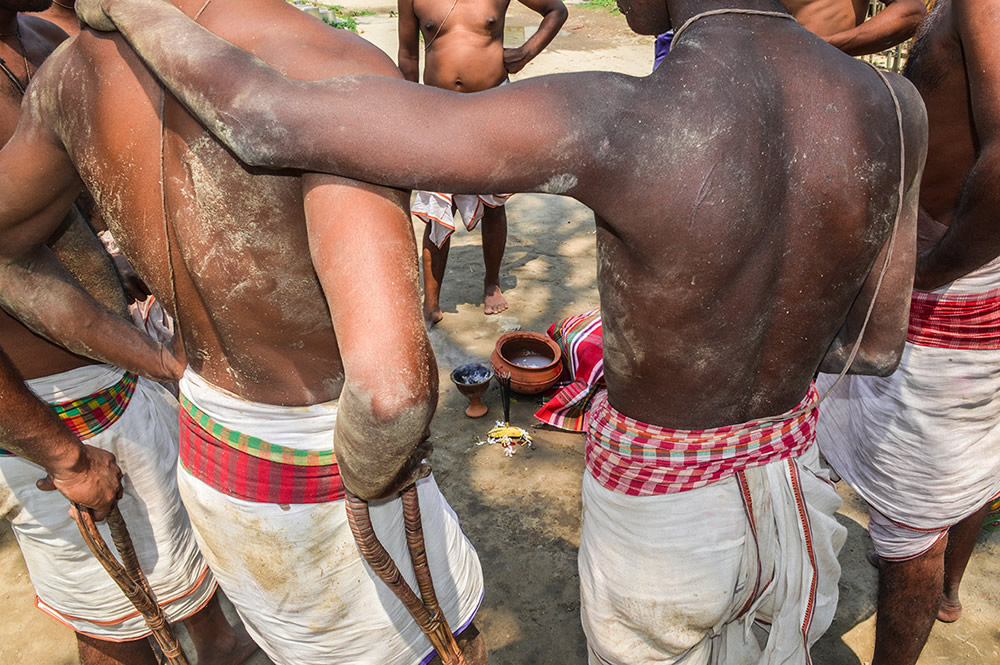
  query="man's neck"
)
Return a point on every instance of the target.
[{"x": 682, "y": 10}]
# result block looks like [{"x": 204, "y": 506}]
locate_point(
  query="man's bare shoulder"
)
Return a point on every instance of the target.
[{"x": 304, "y": 47}]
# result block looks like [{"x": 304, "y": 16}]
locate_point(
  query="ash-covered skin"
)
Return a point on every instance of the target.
[
  {"x": 742, "y": 192},
  {"x": 256, "y": 283}
]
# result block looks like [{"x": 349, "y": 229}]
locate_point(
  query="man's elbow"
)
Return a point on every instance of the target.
[
  {"x": 912, "y": 13},
  {"x": 880, "y": 363}
]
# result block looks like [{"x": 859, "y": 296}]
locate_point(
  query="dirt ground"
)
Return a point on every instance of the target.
[{"x": 523, "y": 513}]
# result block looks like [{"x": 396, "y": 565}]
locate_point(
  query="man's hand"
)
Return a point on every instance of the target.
[
  {"x": 94, "y": 481},
  {"x": 514, "y": 59},
  {"x": 91, "y": 13}
]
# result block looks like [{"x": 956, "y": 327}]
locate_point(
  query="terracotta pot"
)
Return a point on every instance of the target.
[
  {"x": 472, "y": 380},
  {"x": 533, "y": 361}
]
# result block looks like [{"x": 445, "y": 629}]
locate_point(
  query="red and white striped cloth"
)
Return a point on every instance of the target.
[
  {"x": 955, "y": 321},
  {"x": 634, "y": 458},
  {"x": 438, "y": 210},
  {"x": 582, "y": 344}
]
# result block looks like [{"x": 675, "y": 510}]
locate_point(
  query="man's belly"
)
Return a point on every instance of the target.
[
  {"x": 465, "y": 67},
  {"x": 824, "y": 17}
]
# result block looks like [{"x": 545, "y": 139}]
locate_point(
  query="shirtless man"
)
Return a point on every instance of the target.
[
  {"x": 71, "y": 585},
  {"x": 843, "y": 24},
  {"x": 736, "y": 255},
  {"x": 288, "y": 292},
  {"x": 463, "y": 40},
  {"x": 923, "y": 445}
]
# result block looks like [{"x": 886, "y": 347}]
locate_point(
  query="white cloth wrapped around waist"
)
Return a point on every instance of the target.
[
  {"x": 294, "y": 573},
  {"x": 70, "y": 584},
  {"x": 698, "y": 576},
  {"x": 435, "y": 208},
  {"x": 922, "y": 446}
]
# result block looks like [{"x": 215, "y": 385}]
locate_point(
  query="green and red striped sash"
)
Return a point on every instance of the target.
[{"x": 249, "y": 468}]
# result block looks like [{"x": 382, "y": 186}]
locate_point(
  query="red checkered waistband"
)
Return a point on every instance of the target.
[
  {"x": 252, "y": 469},
  {"x": 946, "y": 321},
  {"x": 634, "y": 458}
]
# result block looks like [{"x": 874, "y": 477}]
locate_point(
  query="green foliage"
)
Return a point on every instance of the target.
[
  {"x": 610, "y": 5},
  {"x": 349, "y": 13},
  {"x": 346, "y": 23}
]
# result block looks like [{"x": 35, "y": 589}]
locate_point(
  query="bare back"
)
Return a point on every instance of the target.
[
  {"x": 75, "y": 245},
  {"x": 723, "y": 285},
  {"x": 252, "y": 313},
  {"x": 936, "y": 67}
]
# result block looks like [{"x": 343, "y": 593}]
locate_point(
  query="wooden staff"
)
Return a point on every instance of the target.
[
  {"x": 130, "y": 578},
  {"x": 427, "y": 613}
]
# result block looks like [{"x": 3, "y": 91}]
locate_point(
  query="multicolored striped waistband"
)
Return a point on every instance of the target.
[
  {"x": 947, "y": 321},
  {"x": 249, "y": 468},
  {"x": 91, "y": 415},
  {"x": 634, "y": 458}
]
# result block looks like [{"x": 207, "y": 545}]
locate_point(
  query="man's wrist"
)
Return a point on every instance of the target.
[{"x": 72, "y": 461}]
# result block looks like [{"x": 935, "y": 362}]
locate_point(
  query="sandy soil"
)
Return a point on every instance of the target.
[{"x": 523, "y": 513}]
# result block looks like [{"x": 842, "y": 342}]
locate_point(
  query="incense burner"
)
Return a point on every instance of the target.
[
  {"x": 533, "y": 361},
  {"x": 472, "y": 380}
]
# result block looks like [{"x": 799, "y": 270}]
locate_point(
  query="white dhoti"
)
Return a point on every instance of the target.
[
  {"x": 70, "y": 584},
  {"x": 436, "y": 209},
  {"x": 293, "y": 570},
  {"x": 921, "y": 446},
  {"x": 739, "y": 571}
]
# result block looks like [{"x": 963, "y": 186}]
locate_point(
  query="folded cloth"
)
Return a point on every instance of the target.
[
  {"x": 638, "y": 459},
  {"x": 993, "y": 516},
  {"x": 740, "y": 570},
  {"x": 922, "y": 446},
  {"x": 136, "y": 420},
  {"x": 292, "y": 570},
  {"x": 435, "y": 208},
  {"x": 581, "y": 342}
]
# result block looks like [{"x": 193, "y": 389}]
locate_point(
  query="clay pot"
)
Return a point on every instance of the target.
[
  {"x": 472, "y": 380},
  {"x": 533, "y": 361}
]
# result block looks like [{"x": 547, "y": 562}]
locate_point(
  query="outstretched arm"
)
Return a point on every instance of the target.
[
  {"x": 408, "y": 31},
  {"x": 37, "y": 187},
  {"x": 553, "y": 16},
  {"x": 85, "y": 475},
  {"x": 973, "y": 238},
  {"x": 881, "y": 345},
  {"x": 893, "y": 25},
  {"x": 516, "y": 138},
  {"x": 362, "y": 246}
]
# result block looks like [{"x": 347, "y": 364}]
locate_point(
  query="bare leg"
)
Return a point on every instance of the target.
[
  {"x": 961, "y": 541},
  {"x": 472, "y": 646},
  {"x": 908, "y": 596},
  {"x": 434, "y": 259},
  {"x": 494, "y": 243},
  {"x": 100, "y": 652},
  {"x": 215, "y": 640}
]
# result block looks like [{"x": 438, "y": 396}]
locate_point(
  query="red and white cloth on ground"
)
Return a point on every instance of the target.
[
  {"x": 706, "y": 546},
  {"x": 435, "y": 208},
  {"x": 70, "y": 584},
  {"x": 581, "y": 341},
  {"x": 292, "y": 569},
  {"x": 922, "y": 446}
]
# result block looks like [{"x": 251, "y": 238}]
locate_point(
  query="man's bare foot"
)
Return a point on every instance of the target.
[
  {"x": 949, "y": 611},
  {"x": 494, "y": 302},
  {"x": 432, "y": 314}
]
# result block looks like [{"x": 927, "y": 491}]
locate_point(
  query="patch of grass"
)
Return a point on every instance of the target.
[
  {"x": 610, "y": 5},
  {"x": 346, "y": 23},
  {"x": 350, "y": 13}
]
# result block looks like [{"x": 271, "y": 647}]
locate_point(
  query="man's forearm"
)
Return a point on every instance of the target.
[
  {"x": 46, "y": 299},
  {"x": 893, "y": 25},
  {"x": 547, "y": 31}
]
